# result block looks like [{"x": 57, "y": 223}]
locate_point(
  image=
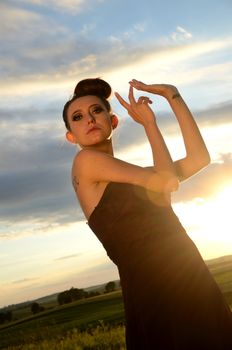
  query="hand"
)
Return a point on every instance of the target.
[
  {"x": 140, "y": 110},
  {"x": 165, "y": 90}
]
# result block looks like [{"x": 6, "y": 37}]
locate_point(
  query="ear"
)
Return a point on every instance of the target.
[
  {"x": 114, "y": 121},
  {"x": 70, "y": 137}
]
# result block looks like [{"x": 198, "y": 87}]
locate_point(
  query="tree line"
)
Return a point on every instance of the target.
[
  {"x": 65, "y": 297},
  {"x": 73, "y": 294}
]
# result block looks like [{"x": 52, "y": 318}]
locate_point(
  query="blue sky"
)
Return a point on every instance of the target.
[{"x": 46, "y": 47}]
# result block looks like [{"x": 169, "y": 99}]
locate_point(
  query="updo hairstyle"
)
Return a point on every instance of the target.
[{"x": 94, "y": 87}]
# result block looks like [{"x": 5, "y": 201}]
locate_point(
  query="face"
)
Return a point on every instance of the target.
[{"x": 89, "y": 121}]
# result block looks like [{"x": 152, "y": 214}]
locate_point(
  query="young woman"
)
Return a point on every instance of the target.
[{"x": 171, "y": 300}]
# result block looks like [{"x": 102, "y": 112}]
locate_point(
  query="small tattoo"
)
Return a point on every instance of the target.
[
  {"x": 176, "y": 95},
  {"x": 75, "y": 183}
]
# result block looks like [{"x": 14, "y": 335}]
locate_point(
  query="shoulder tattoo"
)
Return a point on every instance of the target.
[{"x": 75, "y": 183}]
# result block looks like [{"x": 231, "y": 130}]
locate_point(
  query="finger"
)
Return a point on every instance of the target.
[
  {"x": 122, "y": 101},
  {"x": 137, "y": 84},
  {"x": 141, "y": 99},
  {"x": 131, "y": 97},
  {"x": 144, "y": 99}
]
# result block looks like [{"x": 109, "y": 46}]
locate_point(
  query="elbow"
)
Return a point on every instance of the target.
[
  {"x": 200, "y": 161},
  {"x": 205, "y": 160},
  {"x": 208, "y": 158},
  {"x": 172, "y": 184},
  {"x": 163, "y": 182}
]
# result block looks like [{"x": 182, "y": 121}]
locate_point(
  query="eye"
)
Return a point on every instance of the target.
[
  {"x": 76, "y": 117},
  {"x": 97, "y": 109}
]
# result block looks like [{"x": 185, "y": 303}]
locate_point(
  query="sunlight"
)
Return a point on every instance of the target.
[
  {"x": 219, "y": 213},
  {"x": 208, "y": 223}
]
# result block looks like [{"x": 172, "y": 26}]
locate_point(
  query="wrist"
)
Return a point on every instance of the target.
[
  {"x": 172, "y": 93},
  {"x": 149, "y": 123}
]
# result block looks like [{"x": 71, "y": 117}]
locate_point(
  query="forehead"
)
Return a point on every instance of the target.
[{"x": 83, "y": 103}]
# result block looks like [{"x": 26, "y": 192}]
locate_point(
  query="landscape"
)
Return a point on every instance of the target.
[{"x": 95, "y": 320}]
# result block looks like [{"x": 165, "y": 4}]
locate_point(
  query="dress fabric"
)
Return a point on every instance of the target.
[{"x": 171, "y": 300}]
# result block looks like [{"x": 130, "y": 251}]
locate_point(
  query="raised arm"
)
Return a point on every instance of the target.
[
  {"x": 142, "y": 114},
  {"x": 197, "y": 155}
]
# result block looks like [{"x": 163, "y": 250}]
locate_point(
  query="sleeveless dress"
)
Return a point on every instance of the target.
[{"x": 171, "y": 300}]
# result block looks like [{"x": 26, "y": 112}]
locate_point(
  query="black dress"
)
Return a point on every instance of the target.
[{"x": 171, "y": 300}]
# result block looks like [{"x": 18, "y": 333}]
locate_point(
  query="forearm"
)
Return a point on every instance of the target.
[
  {"x": 194, "y": 143},
  {"x": 197, "y": 156},
  {"x": 162, "y": 160}
]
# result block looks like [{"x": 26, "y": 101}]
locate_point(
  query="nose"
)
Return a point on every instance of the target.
[{"x": 91, "y": 119}]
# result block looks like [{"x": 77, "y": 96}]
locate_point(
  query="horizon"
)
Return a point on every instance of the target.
[{"x": 225, "y": 257}]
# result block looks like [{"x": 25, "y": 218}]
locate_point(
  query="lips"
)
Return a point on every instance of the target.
[{"x": 93, "y": 129}]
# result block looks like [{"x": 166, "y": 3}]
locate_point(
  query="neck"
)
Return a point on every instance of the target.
[{"x": 105, "y": 147}]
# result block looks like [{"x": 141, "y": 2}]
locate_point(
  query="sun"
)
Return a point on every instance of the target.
[
  {"x": 208, "y": 222},
  {"x": 218, "y": 213}
]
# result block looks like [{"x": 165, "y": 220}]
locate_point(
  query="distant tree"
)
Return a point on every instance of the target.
[
  {"x": 2, "y": 317},
  {"x": 77, "y": 294},
  {"x": 110, "y": 287},
  {"x": 35, "y": 308},
  {"x": 5, "y": 316},
  {"x": 60, "y": 298},
  {"x": 93, "y": 294},
  {"x": 64, "y": 297},
  {"x": 70, "y": 295},
  {"x": 8, "y": 316}
]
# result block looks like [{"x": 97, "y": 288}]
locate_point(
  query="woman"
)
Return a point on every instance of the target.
[{"x": 171, "y": 300}]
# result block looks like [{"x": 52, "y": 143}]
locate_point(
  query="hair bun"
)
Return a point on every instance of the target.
[{"x": 93, "y": 86}]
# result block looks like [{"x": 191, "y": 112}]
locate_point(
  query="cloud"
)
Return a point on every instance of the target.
[
  {"x": 133, "y": 32},
  {"x": 73, "y": 7},
  {"x": 216, "y": 115},
  {"x": 208, "y": 182},
  {"x": 68, "y": 257},
  {"x": 87, "y": 28},
  {"x": 41, "y": 54},
  {"x": 14, "y": 20},
  {"x": 212, "y": 116},
  {"x": 25, "y": 280},
  {"x": 181, "y": 34},
  {"x": 35, "y": 167}
]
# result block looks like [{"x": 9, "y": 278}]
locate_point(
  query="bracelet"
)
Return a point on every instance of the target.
[{"x": 176, "y": 95}]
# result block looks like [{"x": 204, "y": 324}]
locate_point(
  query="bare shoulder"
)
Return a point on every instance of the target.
[
  {"x": 86, "y": 157},
  {"x": 90, "y": 164},
  {"x": 88, "y": 188}
]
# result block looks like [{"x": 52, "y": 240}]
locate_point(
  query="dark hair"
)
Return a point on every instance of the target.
[{"x": 92, "y": 86}]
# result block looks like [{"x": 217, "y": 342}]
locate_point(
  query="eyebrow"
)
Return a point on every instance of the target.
[{"x": 79, "y": 110}]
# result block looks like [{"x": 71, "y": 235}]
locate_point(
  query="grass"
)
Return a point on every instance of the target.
[
  {"x": 101, "y": 338},
  {"x": 83, "y": 315}
]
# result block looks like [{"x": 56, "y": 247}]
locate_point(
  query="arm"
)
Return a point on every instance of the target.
[
  {"x": 110, "y": 169},
  {"x": 92, "y": 166},
  {"x": 142, "y": 114},
  {"x": 197, "y": 156}
]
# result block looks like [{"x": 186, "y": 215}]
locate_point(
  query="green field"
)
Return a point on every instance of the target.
[
  {"x": 93, "y": 323},
  {"x": 55, "y": 323}
]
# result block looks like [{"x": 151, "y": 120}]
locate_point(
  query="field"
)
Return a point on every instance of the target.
[
  {"x": 94, "y": 323},
  {"x": 97, "y": 313}
]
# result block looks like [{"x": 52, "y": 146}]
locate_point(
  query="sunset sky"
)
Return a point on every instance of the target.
[{"x": 46, "y": 47}]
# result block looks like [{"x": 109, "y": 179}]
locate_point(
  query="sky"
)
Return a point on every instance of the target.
[{"x": 46, "y": 48}]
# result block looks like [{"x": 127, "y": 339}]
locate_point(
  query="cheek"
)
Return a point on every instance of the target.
[{"x": 107, "y": 119}]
